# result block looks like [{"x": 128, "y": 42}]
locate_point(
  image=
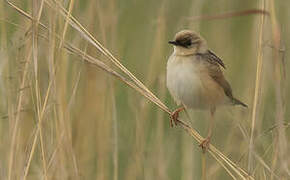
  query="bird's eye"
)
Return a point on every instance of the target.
[{"x": 187, "y": 43}]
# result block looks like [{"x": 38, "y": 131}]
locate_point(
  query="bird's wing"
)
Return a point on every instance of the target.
[
  {"x": 217, "y": 75},
  {"x": 213, "y": 66},
  {"x": 212, "y": 58},
  {"x": 214, "y": 63}
]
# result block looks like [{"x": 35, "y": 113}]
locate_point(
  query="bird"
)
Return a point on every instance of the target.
[{"x": 195, "y": 79}]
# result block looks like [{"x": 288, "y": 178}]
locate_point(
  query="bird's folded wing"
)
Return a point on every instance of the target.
[
  {"x": 214, "y": 63},
  {"x": 212, "y": 58},
  {"x": 219, "y": 78},
  {"x": 216, "y": 73}
]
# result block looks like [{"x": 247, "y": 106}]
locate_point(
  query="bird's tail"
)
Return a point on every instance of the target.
[{"x": 238, "y": 102}]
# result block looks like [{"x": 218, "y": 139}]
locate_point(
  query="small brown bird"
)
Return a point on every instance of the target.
[{"x": 195, "y": 79}]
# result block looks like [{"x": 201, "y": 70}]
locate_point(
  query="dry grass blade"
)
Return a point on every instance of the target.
[
  {"x": 37, "y": 12},
  {"x": 257, "y": 89},
  {"x": 37, "y": 132},
  {"x": 15, "y": 128},
  {"x": 138, "y": 86},
  {"x": 71, "y": 4},
  {"x": 23, "y": 13}
]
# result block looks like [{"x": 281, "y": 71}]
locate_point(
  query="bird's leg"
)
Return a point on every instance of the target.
[
  {"x": 174, "y": 115},
  {"x": 205, "y": 143}
]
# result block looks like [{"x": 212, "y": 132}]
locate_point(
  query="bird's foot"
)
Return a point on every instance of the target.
[
  {"x": 174, "y": 116},
  {"x": 205, "y": 144}
]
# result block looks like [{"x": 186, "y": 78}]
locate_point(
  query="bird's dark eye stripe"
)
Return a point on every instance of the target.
[{"x": 184, "y": 42}]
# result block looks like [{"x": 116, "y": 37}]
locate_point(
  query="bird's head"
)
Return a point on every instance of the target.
[{"x": 187, "y": 42}]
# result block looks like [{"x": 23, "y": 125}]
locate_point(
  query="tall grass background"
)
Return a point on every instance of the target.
[{"x": 65, "y": 118}]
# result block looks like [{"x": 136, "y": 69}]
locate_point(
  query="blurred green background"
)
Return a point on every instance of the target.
[{"x": 95, "y": 127}]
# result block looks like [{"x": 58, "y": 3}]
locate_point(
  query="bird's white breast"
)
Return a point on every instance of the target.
[{"x": 184, "y": 81}]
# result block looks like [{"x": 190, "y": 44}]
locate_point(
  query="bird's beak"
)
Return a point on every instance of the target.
[{"x": 173, "y": 42}]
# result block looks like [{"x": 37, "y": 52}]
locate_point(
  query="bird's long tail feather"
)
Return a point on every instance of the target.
[{"x": 238, "y": 102}]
